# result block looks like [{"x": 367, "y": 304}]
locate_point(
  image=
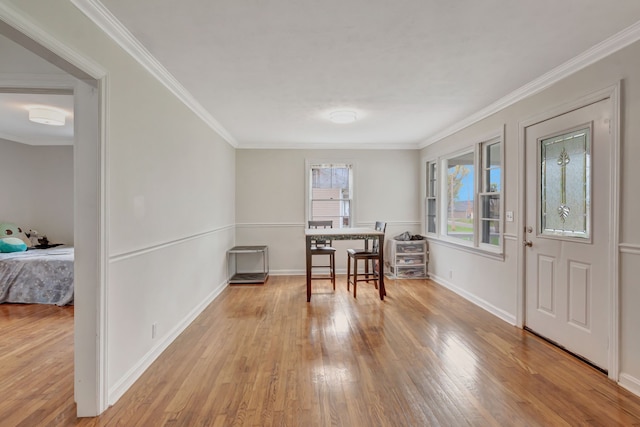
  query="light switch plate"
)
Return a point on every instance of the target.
[{"x": 510, "y": 216}]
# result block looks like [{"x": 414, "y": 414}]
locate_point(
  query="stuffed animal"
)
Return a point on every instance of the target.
[
  {"x": 33, "y": 236},
  {"x": 8, "y": 229},
  {"x": 36, "y": 239},
  {"x": 12, "y": 244}
]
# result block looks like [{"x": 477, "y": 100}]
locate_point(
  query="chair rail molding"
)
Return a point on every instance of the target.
[
  {"x": 629, "y": 248},
  {"x": 141, "y": 251}
]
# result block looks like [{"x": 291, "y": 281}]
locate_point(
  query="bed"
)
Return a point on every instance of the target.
[{"x": 41, "y": 276}]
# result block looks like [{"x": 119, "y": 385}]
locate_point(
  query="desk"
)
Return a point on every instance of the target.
[{"x": 346, "y": 234}]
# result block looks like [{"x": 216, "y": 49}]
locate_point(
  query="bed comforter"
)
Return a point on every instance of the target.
[{"x": 43, "y": 276}]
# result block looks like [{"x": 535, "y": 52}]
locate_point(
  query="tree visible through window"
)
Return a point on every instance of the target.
[
  {"x": 460, "y": 197},
  {"x": 330, "y": 193},
  {"x": 471, "y": 196}
]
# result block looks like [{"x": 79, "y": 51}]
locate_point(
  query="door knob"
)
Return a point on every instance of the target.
[{"x": 528, "y": 243}]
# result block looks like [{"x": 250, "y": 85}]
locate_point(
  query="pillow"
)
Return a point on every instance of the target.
[
  {"x": 8, "y": 229},
  {"x": 12, "y": 244}
]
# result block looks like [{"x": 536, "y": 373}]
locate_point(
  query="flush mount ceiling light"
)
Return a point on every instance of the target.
[
  {"x": 47, "y": 116},
  {"x": 343, "y": 116}
]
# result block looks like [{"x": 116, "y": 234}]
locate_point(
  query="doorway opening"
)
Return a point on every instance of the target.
[{"x": 89, "y": 202}]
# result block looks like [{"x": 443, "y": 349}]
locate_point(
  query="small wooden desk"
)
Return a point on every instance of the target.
[{"x": 346, "y": 234}]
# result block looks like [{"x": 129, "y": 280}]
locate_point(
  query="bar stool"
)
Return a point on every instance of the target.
[
  {"x": 366, "y": 256},
  {"x": 324, "y": 248}
]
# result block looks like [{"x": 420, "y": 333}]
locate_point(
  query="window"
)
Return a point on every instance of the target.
[
  {"x": 471, "y": 184},
  {"x": 432, "y": 192},
  {"x": 460, "y": 196},
  {"x": 330, "y": 193},
  {"x": 490, "y": 221},
  {"x": 565, "y": 185}
]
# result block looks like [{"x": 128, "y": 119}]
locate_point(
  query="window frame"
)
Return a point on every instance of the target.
[
  {"x": 444, "y": 191},
  {"x": 432, "y": 182},
  {"x": 483, "y": 192},
  {"x": 311, "y": 164},
  {"x": 478, "y": 147}
]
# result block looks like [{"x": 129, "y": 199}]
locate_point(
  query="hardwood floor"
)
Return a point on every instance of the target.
[
  {"x": 36, "y": 365},
  {"x": 263, "y": 356}
]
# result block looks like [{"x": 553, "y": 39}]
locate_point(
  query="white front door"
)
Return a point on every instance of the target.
[{"x": 567, "y": 224}]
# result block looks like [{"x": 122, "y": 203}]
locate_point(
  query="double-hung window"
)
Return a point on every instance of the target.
[
  {"x": 431, "y": 202},
  {"x": 460, "y": 191},
  {"x": 330, "y": 193},
  {"x": 491, "y": 193},
  {"x": 470, "y": 197}
]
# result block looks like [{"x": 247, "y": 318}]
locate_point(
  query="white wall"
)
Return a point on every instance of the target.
[
  {"x": 173, "y": 200},
  {"x": 270, "y": 198},
  {"x": 493, "y": 283},
  {"x": 37, "y": 189},
  {"x": 170, "y": 201}
]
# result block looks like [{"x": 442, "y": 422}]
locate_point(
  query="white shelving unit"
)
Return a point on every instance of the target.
[
  {"x": 247, "y": 277},
  {"x": 408, "y": 259}
]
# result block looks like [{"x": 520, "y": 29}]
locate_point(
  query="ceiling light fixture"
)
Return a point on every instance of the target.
[
  {"x": 47, "y": 116},
  {"x": 343, "y": 116}
]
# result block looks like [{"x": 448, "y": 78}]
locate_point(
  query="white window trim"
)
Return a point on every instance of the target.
[
  {"x": 476, "y": 146},
  {"x": 481, "y": 146},
  {"x": 308, "y": 163},
  {"x": 444, "y": 205},
  {"x": 428, "y": 196}
]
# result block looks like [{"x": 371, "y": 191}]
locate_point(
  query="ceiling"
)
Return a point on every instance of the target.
[
  {"x": 268, "y": 72},
  {"x": 15, "y": 125},
  {"x": 28, "y": 81}
]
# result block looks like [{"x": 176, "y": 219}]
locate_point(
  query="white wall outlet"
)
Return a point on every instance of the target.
[
  {"x": 154, "y": 330},
  {"x": 509, "y": 216}
]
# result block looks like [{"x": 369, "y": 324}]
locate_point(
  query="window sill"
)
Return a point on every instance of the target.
[{"x": 495, "y": 255}]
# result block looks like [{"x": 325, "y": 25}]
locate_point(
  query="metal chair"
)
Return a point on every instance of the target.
[
  {"x": 365, "y": 255},
  {"x": 324, "y": 248}
]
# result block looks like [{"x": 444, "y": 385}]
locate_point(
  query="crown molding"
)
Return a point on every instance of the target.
[
  {"x": 327, "y": 146},
  {"x": 108, "y": 23},
  {"x": 19, "y": 25},
  {"x": 594, "y": 54}
]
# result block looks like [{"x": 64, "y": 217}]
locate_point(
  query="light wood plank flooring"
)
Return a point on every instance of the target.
[{"x": 263, "y": 356}]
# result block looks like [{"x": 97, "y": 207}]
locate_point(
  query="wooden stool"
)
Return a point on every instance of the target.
[
  {"x": 365, "y": 255},
  {"x": 323, "y": 247}
]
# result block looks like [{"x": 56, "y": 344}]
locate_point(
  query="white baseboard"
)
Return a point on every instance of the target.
[
  {"x": 302, "y": 272},
  {"x": 122, "y": 385},
  {"x": 299, "y": 272},
  {"x": 287, "y": 273},
  {"x": 498, "y": 312},
  {"x": 630, "y": 383}
]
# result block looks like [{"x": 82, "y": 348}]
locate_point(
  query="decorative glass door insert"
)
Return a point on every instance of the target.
[{"x": 565, "y": 185}]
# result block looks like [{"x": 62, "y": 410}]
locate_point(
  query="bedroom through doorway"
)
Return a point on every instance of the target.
[{"x": 36, "y": 68}]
